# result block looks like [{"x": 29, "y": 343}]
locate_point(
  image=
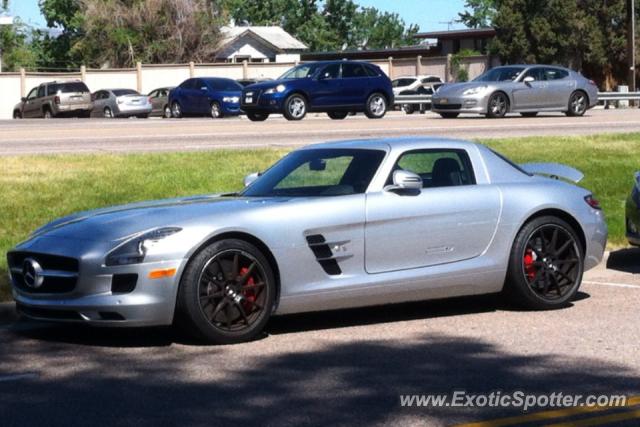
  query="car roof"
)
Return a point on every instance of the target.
[{"x": 400, "y": 143}]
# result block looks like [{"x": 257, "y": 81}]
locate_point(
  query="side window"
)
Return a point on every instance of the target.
[
  {"x": 33, "y": 93},
  {"x": 555, "y": 74},
  {"x": 317, "y": 173},
  {"x": 350, "y": 71},
  {"x": 188, "y": 84},
  {"x": 438, "y": 168},
  {"x": 201, "y": 85},
  {"x": 331, "y": 72},
  {"x": 536, "y": 73},
  {"x": 154, "y": 94},
  {"x": 371, "y": 72},
  {"x": 41, "y": 91},
  {"x": 431, "y": 80}
]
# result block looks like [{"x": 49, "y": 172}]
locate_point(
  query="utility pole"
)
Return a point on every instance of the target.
[{"x": 631, "y": 47}]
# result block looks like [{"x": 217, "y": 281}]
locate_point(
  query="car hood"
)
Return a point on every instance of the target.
[
  {"x": 119, "y": 222},
  {"x": 456, "y": 89},
  {"x": 269, "y": 84}
]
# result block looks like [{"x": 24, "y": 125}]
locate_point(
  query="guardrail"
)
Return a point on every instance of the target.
[{"x": 602, "y": 97}]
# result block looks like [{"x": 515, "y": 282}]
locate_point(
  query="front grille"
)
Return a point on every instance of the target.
[
  {"x": 255, "y": 95},
  {"x": 448, "y": 106},
  {"x": 60, "y": 274}
]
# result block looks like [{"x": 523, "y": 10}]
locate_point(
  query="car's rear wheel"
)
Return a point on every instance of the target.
[
  {"x": 108, "y": 113},
  {"x": 47, "y": 114},
  {"x": 449, "y": 115},
  {"x": 578, "y": 104},
  {"x": 227, "y": 293},
  {"x": 376, "y": 106},
  {"x": 498, "y": 106},
  {"x": 176, "y": 110},
  {"x": 408, "y": 108},
  {"x": 166, "y": 112},
  {"x": 530, "y": 114},
  {"x": 295, "y": 107},
  {"x": 257, "y": 117},
  {"x": 545, "y": 265},
  {"x": 17, "y": 114},
  {"x": 338, "y": 115},
  {"x": 216, "y": 111}
]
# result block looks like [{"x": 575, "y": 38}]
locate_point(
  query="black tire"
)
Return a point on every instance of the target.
[
  {"x": 338, "y": 115},
  {"x": 108, "y": 113},
  {"x": 498, "y": 106},
  {"x": 257, "y": 117},
  {"x": 578, "y": 104},
  {"x": 545, "y": 265},
  {"x": 449, "y": 115},
  {"x": 376, "y": 106},
  {"x": 408, "y": 108},
  {"x": 295, "y": 107},
  {"x": 47, "y": 114},
  {"x": 530, "y": 114},
  {"x": 166, "y": 112},
  {"x": 216, "y": 111},
  {"x": 17, "y": 115},
  {"x": 176, "y": 110},
  {"x": 226, "y": 294}
]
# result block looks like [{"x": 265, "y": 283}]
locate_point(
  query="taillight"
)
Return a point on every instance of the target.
[
  {"x": 593, "y": 202},
  {"x": 56, "y": 100},
  {"x": 591, "y": 82}
]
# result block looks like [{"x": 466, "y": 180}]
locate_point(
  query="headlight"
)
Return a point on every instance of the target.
[
  {"x": 231, "y": 99},
  {"x": 474, "y": 90},
  {"x": 279, "y": 89},
  {"x": 134, "y": 250}
]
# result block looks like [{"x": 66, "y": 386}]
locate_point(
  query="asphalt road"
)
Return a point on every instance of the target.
[
  {"x": 135, "y": 135},
  {"x": 337, "y": 368}
]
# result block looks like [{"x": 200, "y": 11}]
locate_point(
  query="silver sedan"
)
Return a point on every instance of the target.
[
  {"x": 336, "y": 225},
  {"x": 524, "y": 89}
]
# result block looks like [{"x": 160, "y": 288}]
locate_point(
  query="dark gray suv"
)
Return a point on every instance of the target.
[{"x": 55, "y": 99}]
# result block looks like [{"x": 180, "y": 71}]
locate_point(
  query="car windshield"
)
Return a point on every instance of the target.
[
  {"x": 318, "y": 173},
  {"x": 122, "y": 92},
  {"x": 301, "y": 71},
  {"x": 402, "y": 82},
  {"x": 500, "y": 74}
]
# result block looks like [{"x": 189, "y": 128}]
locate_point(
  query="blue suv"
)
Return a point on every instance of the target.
[
  {"x": 212, "y": 96},
  {"x": 334, "y": 87}
]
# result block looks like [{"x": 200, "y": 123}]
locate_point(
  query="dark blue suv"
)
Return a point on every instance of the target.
[
  {"x": 334, "y": 87},
  {"x": 212, "y": 96}
]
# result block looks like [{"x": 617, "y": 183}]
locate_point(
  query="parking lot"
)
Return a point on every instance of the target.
[
  {"x": 136, "y": 135},
  {"x": 345, "y": 368}
]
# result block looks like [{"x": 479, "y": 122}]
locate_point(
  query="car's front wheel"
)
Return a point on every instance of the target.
[
  {"x": 338, "y": 115},
  {"x": 295, "y": 107},
  {"x": 108, "y": 113},
  {"x": 17, "y": 114},
  {"x": 545, "y": 265},
  {"x": 227, "y": 293},
  {"x": 578, "y": 104},
  {"x": 216, "y": 111},
  {"x": 166, "y": 112},
  {"x": 376, "y": 106},
  {"x": 498, "y": 106},
  {"x": 257, "y": 117},
  {"x": 176, "y": 110}
]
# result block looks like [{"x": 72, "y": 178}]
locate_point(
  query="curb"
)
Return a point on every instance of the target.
[{"x": 8, "y": 312}]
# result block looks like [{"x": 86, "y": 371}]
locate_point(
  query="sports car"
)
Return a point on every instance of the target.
[
  {"x": 633, "y": 213},
  {"x": 329, "y": 226},
  {"x": 524, "y": 89}
]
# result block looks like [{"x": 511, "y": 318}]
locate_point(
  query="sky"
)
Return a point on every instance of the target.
[{"x": 430, "y": 15}]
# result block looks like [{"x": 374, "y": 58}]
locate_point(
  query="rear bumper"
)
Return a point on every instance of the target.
[
  {"x": 132, "y": 110},
  {"x": 271, "y": 103},
  {"x": 69, "y": 108}
]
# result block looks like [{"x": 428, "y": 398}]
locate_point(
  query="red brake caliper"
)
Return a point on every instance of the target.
[
  {"x": 249, "y": 294},
  {"x": 529, "y": 268}
]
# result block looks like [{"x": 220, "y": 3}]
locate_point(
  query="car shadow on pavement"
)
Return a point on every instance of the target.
[
  {"x": 626, "y": 260},
  {"x": 354, "y": 382}
]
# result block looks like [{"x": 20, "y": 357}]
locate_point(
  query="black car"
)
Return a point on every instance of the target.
[{"x": 633, "y": 213}]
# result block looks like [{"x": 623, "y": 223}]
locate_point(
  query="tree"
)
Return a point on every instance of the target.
[
  {"x": 478, "y": 13},
  {"x": 14, "y": 44}
]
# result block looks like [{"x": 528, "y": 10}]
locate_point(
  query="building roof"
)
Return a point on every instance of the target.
[
  {"x": 274, "y": 36},
  {"x": 398, "y": 52},
  {"x": 458, "y": 34}
]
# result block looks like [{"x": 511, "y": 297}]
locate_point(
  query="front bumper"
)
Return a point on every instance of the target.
[
  {"x": 231, "y": 108},
  {"x": 95, "y": 298},
  {"x": 266, "y": 103},
  {"x": 459, "y": 104},
  {"x": 632, "y": 218}
]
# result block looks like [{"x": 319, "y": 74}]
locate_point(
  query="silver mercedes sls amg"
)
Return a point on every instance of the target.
[
  {"x": 329, "y": 226},
  {"x": 524, "y": 89}
]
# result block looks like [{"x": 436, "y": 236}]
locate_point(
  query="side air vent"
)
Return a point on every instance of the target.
[{"x": 324, "y": 253}]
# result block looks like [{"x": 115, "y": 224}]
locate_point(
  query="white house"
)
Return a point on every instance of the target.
[{"x": 259, "y": 44}]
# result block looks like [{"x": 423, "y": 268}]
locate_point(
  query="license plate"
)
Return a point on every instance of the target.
[
  {"x": 248, "y": 100},
  {"x": 444, "y": 101}
]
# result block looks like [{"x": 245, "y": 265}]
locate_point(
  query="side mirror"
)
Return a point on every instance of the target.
[
  {"x": 405, "y": 181},
  {"x": 23, "y": 99},
  {"x": 249, "y": 179},
  {"x": 529, "y": 79}
]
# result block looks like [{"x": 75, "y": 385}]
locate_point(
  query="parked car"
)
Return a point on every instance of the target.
[
  {"x": 524, "y": 89},
  {"x": 55, "y": 99},
  {"x": 414, "y": 83},
  {"x": 334, "y": 87},
  {"x": 110, "y": 103},
  {"x": 633, "y": 213},
  {"x": 247, "y": 82},
  {"x": 159, "y": 99},
  {"x": 212, "y": 96},
  {"x": 330, "y": 226}
]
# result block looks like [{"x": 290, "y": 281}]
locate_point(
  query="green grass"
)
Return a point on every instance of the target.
[{"x": 37, "y": 189}]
